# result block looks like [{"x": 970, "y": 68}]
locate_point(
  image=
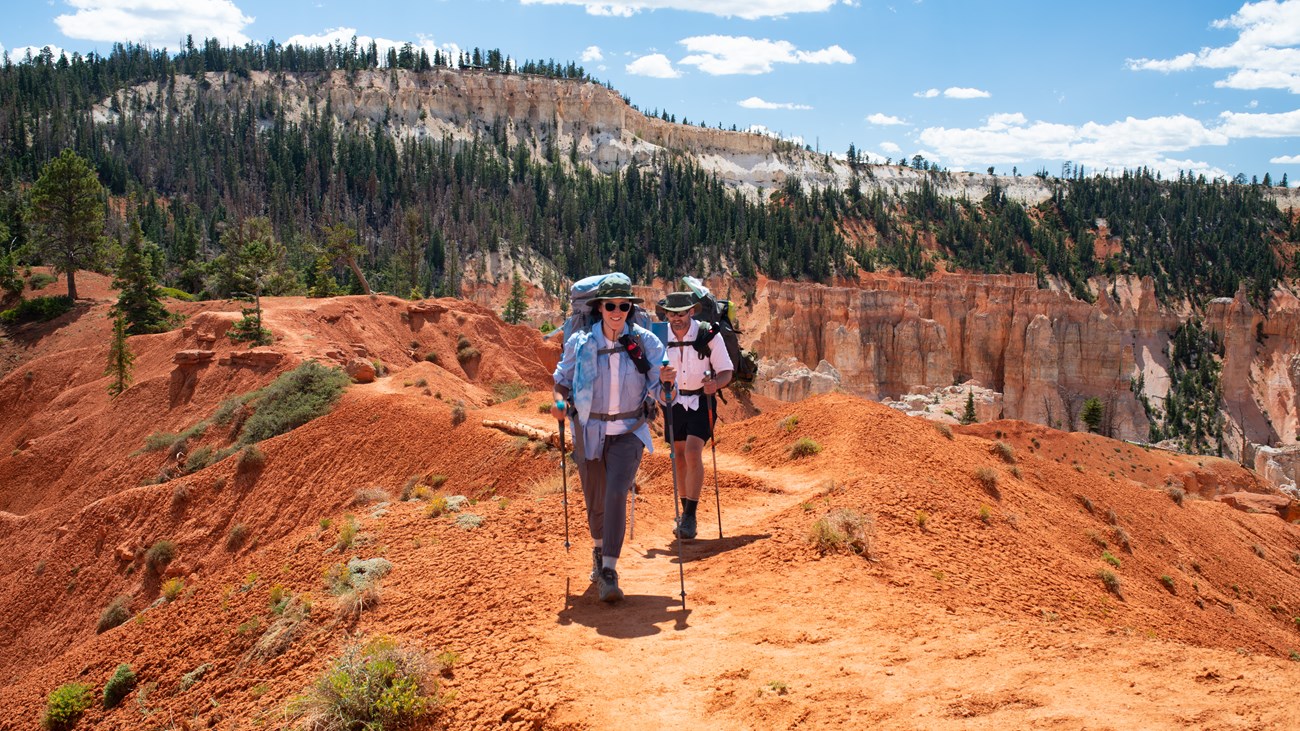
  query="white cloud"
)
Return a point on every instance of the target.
[
  {"x": 1240, "y": 124},
  {"x": 1264, "y": 55},
  {"x": 1129, "y": 143},
  {"x": 344, "y": 36},
  {"x": 964, "y": 92},
  {"x": 592, "y": 53},
  {"x": 656, "y": 66},
  {"x": 927, "y": 94},
  {"x": 756, "y": 103},
  {"x": 747, "y": 9},
  {"x": 724, "y": 55},
  {"x": 1285, "y": 160},
  {"x": 884, "y": 120},
  {"x": 19, "y": 53},
  {"x": 759, "y": 129},
  {"x": 158, "y": 23},
  {"x": 891, "y": 148}
]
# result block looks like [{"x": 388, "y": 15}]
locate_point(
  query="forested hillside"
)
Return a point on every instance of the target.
[{"x": 204, "y": 172}]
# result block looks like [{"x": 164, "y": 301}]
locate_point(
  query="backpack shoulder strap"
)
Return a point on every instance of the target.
[{"x": 702, "y": 340}]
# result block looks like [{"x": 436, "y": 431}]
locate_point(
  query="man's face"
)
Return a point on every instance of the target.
[
  {"x": 615, "y": 311},
  {"x": 680, "y": 320}
]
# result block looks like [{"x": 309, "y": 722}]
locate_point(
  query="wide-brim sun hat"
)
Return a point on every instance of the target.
[
  {"x": 616, "y": 290},
  {"x": 678, "y": 301}
]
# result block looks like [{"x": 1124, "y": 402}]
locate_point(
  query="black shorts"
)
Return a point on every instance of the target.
[{"x": 690, "y": 423}]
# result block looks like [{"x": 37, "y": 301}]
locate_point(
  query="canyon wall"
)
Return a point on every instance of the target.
[{"x": 1043, "y": 350}]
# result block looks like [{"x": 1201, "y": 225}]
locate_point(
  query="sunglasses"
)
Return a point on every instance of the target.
[{"x": 620, "y": 306}]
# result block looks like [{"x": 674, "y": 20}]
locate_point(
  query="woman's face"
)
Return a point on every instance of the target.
[{"x": 615, "y": 311}]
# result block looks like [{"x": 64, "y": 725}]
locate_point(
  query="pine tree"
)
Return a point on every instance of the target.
[
  {"x": 120, "y": 358},
  {"x": 1093, "y": 413},
  {"x": 968, "y": 416},
  {"x": 69, "y": 216},
  {"x": 140, "y": 299},
  {"x": 517, "y": 305}
]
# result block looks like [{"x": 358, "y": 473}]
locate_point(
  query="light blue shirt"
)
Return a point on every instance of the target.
[{"x": 586, "y": 373}]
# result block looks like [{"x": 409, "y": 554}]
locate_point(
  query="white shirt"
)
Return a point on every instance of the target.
[
  {"x": 692, "y": 370},
  {"x": 615, "y": 384}
]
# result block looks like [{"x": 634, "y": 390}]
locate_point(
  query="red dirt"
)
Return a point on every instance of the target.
[{"x": 990, "y": 615}]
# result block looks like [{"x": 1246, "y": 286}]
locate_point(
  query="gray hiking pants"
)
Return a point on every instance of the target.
[{"x": 605, "y": 484}]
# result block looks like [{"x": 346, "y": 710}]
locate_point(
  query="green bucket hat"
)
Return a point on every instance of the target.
[
  {"x": 616, "y": 288},
  {"x": 679, "y": 301}
]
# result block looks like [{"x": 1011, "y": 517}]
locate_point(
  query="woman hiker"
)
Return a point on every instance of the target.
[
  {"x": 698, "y": 376},
  {"x": 611, "y": 370}
]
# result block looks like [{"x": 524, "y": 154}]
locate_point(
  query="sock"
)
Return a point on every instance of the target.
[
  {"x": 597, "y": 543},
  {"x": 688, "y": 507},
  {"x": 608, "y": 562}
]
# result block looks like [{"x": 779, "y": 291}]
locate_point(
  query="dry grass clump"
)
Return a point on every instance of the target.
[
  {"x": 117, "y": 612},
  {"x": 1112, "y": 582},
  {"x": 843, "y": 529},
  {"x": 283, "y": 631},
  {"x": 236, "y": 537},
  {"x": 943, "y": 429},
  {"x": 1177, "y": 494},
  {"x": 370, "y": 496},
  {"x": 1005, "y": 451},
  {"x": 988, "y": 478},
  {"x": 159, "y": 555}
]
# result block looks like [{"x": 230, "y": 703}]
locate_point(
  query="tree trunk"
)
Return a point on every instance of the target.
[
  {"x": 72, "y": 284},
  {"x": 352, "y": 262}
]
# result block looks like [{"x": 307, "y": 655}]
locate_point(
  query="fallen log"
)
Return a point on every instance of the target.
[{"x": 524, "y": 430}]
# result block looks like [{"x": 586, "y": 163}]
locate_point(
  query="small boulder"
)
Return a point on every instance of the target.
[
  {"x": 361, "y": 370},
  {"x": 1253, "y": 502}
]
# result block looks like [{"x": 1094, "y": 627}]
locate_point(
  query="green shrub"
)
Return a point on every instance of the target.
[
  {"x": 45, "y": 309},
  {"x": 119, "y": 684},
  {"x": 177, "y": 294},
  {"x": 117, "y": 612},
  {"x": 789, "y": 423},
  {"x": 65, "y": 705},
  {"x": 1168, "y": 581},
  {"x": 843, "y": 529},
  {"x": 199, "y": 458},
  {"x": 375, "y": 685},
  {"x": 160, "y": 440},
  {"x": 293, "y": 399},
  {"x": 804, "y": 447},
  {"x": 466, "y": 354},
  {"x": 1109, "y": 558},
  {"x": 432, "y": 357},
  {"x": 41, "y": 280},
  {"x": 159, "y": 555}
]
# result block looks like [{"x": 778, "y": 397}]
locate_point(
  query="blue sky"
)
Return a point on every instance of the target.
[{"x": 1199, "y": 85}]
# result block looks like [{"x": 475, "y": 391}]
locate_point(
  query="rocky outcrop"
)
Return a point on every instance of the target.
[{"x": 1042, "y": 349}]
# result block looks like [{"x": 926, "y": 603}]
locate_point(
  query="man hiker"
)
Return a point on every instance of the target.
[
  {"x": 698, "y": 371},
  {"x": 609, "y": 378}
]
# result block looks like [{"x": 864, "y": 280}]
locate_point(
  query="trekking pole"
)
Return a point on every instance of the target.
[
  {"x": 564, "y": 478},
  {"x": 713, "y": 444},
  {"x": 672, "y": 458}
]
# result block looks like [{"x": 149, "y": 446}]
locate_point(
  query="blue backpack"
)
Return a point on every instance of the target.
[{"x": 583, "y": 293}]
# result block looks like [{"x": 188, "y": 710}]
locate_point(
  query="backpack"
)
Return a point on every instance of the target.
[
  {"x": 581, "y": 295},
  {"x": 720, "y": 316}
]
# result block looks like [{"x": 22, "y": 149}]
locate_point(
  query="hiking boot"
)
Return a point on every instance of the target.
[
  {"x": 685, "y": 527},
  {"x": 595, "y": 563},
  {"x": 607, "y": 585}
]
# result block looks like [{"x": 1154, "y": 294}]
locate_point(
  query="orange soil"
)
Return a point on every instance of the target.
[{"x": 989, "y": 615}]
